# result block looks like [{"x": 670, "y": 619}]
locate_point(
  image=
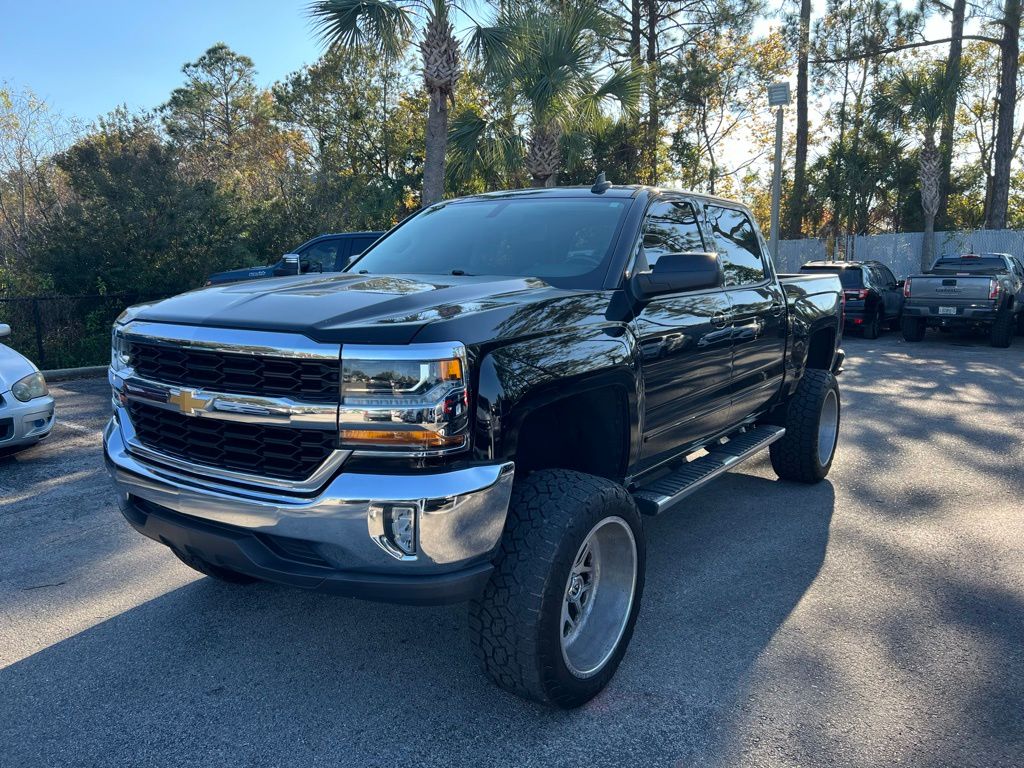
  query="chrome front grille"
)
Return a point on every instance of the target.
[
  {"x": 278, "y": 452},
  {"x": 235, "y": 406},
  {"x": 305, "y": 380}
]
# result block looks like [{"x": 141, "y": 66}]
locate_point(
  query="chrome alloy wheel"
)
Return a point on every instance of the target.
[
  {"x": 598, "y": 597},
  {"x": 828, "y": 427}
]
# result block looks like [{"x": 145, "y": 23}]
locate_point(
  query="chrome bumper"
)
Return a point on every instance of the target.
[
  {"x": 460, "y": 514},
  {"x": 24, "y": 423}
]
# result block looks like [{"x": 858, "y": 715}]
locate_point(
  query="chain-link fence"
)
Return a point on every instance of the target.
[
  {"x": 64, "y": 331},
  {"x": 900, "y": 252}
]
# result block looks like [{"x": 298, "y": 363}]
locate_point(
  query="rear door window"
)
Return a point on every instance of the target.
[{"x": 738, "y": 246}]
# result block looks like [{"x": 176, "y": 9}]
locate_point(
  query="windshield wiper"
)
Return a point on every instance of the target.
[{"x": 461, "y": 273}]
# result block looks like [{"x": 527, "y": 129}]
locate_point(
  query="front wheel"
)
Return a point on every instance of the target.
[
  {"x": 555, "y": 619},
  {"x": 811, "y": 420}
]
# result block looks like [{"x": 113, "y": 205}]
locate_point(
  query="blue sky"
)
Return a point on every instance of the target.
[{"x": 87, "y": 57}]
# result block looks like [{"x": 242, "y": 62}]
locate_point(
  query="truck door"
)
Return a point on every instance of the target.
[
  {"x": 757, "y": 309},
  {"x": 684, "y": 341}
]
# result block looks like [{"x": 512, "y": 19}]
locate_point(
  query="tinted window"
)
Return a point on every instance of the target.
[
  {"x": 325, "y": 252},
  {"x": 360, "y": 244},
  {"x": 849, "y": 277},
  {"x": 885, "y": 276},
  {"x": 981, "y": 265},
  {"x": 566, "y": 240},
  {"x": 671, "y": 227},
  {"x": 737, "y": 244}
]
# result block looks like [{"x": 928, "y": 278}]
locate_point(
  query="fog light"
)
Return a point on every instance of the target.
[
  {"x": 393, "y": 527},
  {"x": 403, "y": 528}
]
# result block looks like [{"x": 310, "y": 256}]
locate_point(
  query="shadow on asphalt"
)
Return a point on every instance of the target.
[{"x": 272, "y": 675}]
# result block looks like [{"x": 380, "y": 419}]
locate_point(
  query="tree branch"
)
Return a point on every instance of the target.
[{"x": 905, "y": 46}]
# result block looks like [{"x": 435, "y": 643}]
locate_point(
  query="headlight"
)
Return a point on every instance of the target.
[
  {"x": 30, "y": 387},
  {"x": 408, "y": 400},
  {"x": 120, "y": 358}
]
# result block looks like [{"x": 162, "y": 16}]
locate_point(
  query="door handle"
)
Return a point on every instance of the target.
[{"x": 720, "y": 319}]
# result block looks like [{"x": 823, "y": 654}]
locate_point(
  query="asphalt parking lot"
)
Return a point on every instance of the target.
[{"x": 874, "y": 619}]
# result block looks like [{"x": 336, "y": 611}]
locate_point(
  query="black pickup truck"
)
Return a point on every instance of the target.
[
  {"x": 482, "y": 407},
  {"x": 324, "y": 253}
]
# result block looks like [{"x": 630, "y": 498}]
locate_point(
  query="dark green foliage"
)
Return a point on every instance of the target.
[{"x": 134, "y": 223}]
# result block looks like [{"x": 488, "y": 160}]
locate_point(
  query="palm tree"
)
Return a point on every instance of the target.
[
  {"x": 918, "y": 99},
  {"x": 551, "y": 63},
  {"x": 386, "y": 26}
]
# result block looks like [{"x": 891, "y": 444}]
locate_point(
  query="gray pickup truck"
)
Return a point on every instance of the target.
[{"x": 980, "y": 290}]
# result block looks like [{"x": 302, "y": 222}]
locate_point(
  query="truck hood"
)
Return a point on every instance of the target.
[
  {"x": 13, "y": 366},
  {"x": 347, "y": 308}
]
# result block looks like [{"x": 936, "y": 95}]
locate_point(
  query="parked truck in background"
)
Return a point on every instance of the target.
[
  {"x": 324, "y": 253},
  {"x": 974, "y": 290},
  {"x": 481, "y": 407}
]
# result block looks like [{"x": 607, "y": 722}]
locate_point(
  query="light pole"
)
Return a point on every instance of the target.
[{"x": 778, "y": 96}]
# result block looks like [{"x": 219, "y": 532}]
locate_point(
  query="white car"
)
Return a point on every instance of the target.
[{"x": 26, "y": 407}]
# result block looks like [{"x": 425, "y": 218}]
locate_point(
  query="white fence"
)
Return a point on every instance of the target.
[{"x": 902, "y": 252}]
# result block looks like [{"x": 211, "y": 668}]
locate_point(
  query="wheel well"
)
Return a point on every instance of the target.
[
  {"x": 821, "y": 349},
  {"x": 587, "y": 432}
]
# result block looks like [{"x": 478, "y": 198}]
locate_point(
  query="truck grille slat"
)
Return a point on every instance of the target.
[
  {"x": 278, "y": 452},
  {"x": 305, "y": 380}
]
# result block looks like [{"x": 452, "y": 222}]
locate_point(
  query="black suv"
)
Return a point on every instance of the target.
[
  {"x": 324, "y": 253},
  {"x": 874, "y": 297}
]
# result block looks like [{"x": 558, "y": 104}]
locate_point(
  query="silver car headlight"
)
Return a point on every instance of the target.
[
  {"x": 30, "y": 387},
  {"x": 120, "y": 353},
  {"x": 410, "y": 400}
]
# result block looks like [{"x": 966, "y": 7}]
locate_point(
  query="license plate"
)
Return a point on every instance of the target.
[{"x": 947, "y": 310}]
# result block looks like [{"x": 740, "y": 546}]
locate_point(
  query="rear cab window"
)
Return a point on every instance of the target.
[
  {"x": 849, "y": 277},
  {"x": 981, "y": 265}
]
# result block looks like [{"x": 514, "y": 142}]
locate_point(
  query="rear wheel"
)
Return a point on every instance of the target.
[
  {"x": 215, "y": 571},
  {"x": 913, "y": 328},
  {"x": 555, "y": 619},
  {"x": 873, "y": 328},
  {"x": 811, "y": 420},
  {"x": 1001, "y": 333}
]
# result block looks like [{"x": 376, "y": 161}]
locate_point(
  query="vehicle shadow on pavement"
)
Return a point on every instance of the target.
[{"x": 265, "y": 675}]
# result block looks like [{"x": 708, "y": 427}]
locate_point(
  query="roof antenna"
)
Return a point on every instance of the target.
[{"x": 600, "y": 185}]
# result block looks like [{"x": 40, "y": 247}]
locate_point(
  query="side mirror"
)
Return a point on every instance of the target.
[
  {"x": 5, "y": 330},
  {"x": 678, "y": 272},
  {"x": 900, "y": 283}
]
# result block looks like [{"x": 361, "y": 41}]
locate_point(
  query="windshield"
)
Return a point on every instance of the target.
[
  {"x": 850, "y": 277},
  {"x": 564, "y": 240},
  {"x": 983, "y": 266}
]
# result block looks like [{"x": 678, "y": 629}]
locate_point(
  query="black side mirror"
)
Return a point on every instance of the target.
[{"x": 678, "y": 272}]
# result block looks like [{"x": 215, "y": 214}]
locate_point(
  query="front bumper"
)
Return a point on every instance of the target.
[
  {"x": 25, "y": 423},
  {"x": 333, "y": 540}
]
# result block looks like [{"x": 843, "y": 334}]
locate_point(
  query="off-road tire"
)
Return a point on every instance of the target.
[
  {"x": 515, "y": 624},
  {"x": 873, "y": 329},
  {"x": 215, "y": 571},
  {"x": 795, "y": 455},
  {"x": 914, "y": 328},
  {"x": 1002, "y": 330}
]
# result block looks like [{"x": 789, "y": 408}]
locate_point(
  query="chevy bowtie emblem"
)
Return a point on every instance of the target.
[{"x": 187, "y": 402}]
